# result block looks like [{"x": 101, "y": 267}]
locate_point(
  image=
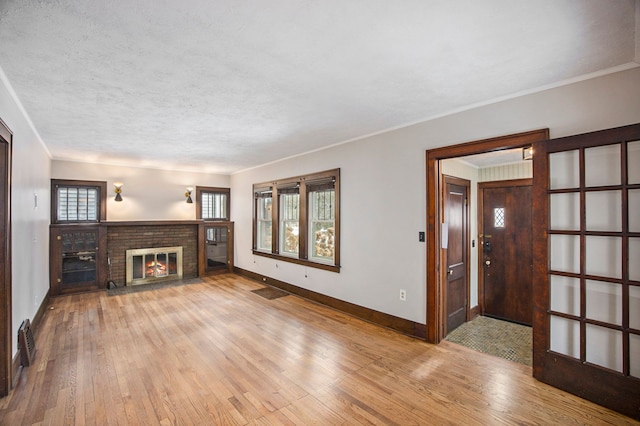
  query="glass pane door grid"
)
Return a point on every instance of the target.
[{"x": 594, "y": 255}]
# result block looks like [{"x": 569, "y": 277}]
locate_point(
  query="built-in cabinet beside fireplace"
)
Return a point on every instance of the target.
[
  {"x": 84, "y": 257},
  {"x": 215, "y": 242},
  {"x": 77, "y": 258}
]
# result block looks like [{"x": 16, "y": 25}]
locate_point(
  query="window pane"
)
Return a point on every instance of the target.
[
  {"x": 634, "y": 206},
  {"x": 498, "y": 217},
  {"x": 565, "y": 211},
  {"x": 214, "y": 205},
  {"x": 634, "y": 355},
  {"x": 602, "y": 165},
  {"x": 564, "y": 170},
  {"x": 604, "y": 347},
  {"x": 634, "y": 255},
  {"x": 565, "y": 336},
  {"x": 263, "y": 231},
  {"x": 322, "y": 225},
  {"x": 634, "y": 307},
  {"x": 565, "y": 294},
  {"x": 604, "y": 302},
  {"x": 77, "y": 204},
  {"x": 603, "y": 211},
  {"x": 565, "y": 253},
  {"x": 289, "y": 223},
  {"x": 633, "y": 159},
  {"x": 604, "y": 256}
]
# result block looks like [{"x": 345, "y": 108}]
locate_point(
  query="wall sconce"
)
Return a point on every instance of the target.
[
  {"x": 188, "y": 195},
  {"x": 118, "y": 190},
  {"x": 527, "y": 153}
]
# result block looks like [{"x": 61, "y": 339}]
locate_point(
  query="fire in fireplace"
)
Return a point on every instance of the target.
[{"x": 153, "y": 264}]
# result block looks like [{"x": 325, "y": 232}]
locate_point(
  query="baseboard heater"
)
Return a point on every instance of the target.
[{"x": 26, "y": 343}]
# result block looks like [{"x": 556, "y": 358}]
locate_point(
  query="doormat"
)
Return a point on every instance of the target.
[
  {"x": 270, "y": 292},
  {"x": 153, "y": 286}
]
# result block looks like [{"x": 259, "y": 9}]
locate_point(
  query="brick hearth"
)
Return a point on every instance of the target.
[{"x": 121, "y": 238}]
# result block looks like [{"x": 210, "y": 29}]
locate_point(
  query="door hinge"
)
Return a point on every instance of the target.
[{"x": 466, "y": 201}]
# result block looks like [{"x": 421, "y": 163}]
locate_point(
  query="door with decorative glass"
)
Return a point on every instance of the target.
[{"x": 587, "y": 266}]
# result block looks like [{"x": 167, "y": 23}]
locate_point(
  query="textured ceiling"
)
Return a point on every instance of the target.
[{"x": 221, "y": 86}]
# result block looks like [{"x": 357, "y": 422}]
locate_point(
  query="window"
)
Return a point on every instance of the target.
[
  {"x": 264, "y": 204},
  {"x": 289, "y": 223},
  {"x": 498, "y": 217},
  {"x": 322, "y": 224},
  {"x": 78, "y": 201},
  {"x": 212, "y": 203},
  {"x": 297, "y": 219}
]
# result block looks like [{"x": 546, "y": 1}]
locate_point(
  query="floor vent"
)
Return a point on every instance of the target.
[{"x": 26, "y": 343}]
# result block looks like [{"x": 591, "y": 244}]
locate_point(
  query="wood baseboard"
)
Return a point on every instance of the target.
[
  {"x": 16, "y": 365},
  {"x": 474, "y": 312},
  {"x": 401, "y": 325}
]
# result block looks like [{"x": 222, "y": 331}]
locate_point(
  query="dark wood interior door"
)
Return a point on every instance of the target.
[
  {"x": 506, "y": 250},
  {"x": 457, "y": 277}
]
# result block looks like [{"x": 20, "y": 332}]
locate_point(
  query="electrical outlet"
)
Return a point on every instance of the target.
[{"x": 403, "y": 295}]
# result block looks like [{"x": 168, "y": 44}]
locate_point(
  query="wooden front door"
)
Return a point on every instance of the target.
[
  {"x": 506, "y": 252},
  {"x": 586, "y": 332},
  {"x": 456, "y": 218}
]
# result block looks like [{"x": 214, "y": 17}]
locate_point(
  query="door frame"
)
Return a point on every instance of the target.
[
  {"x": 480, "y": 211},
  {"x": 435, "y": 272},
  {"x": 6, "y": 362},
  {"x": 466, "y": 232}
]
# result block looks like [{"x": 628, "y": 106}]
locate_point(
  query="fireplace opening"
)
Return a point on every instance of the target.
[{"x": 153, "y": 264}]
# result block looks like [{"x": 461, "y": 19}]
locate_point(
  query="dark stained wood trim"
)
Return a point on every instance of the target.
[
  {"x": 401, "y": 325},
  {"x": 434, "y": 180},
  {"x": 153, "y": 223},
  {"x": 35, "y": 324},
  {"x": 39, "y": 316},
  {"x": 6, "y": 370},
  {"x": 509, "y": 182},
  {"x": 474, "y": 312},
  {"x": 304, "y": 262},
  {"x": 5, "y": 133}
]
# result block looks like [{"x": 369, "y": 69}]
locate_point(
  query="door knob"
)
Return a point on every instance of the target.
[
  {"x": 450, "y": 271},
  {"x": 487, "y": 262}
]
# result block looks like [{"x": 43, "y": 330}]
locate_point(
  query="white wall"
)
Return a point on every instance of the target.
[
  {"x": 147, "y": 194},
  {"x": 383, "y": 188},
  {"x": 29, "y": 224}
]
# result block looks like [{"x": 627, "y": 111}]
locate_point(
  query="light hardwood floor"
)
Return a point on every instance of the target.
[{"x": 216, "y": 353}]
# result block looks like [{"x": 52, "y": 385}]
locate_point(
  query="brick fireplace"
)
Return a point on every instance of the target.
[{"x": 123, "y": 236}]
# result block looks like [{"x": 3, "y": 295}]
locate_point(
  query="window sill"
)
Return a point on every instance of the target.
[{"x": 305, "y": 262}]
